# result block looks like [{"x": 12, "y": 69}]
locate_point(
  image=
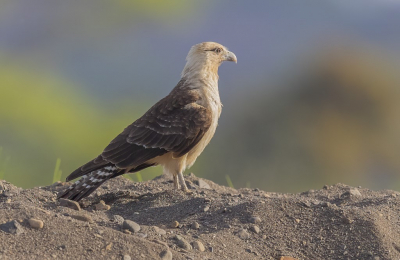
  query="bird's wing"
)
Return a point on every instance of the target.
[{"x": 174, "y": 124}]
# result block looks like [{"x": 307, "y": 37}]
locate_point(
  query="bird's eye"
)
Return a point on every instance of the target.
[{"x": 217, "y": 50}]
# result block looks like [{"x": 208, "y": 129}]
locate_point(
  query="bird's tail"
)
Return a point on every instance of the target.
[{"x": 88, "y": 183}]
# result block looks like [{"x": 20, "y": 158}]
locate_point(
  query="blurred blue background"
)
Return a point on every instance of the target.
[{"x": 313, "y": 100}]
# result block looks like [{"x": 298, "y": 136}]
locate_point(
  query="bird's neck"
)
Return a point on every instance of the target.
[{"x": 200, "y": 75}]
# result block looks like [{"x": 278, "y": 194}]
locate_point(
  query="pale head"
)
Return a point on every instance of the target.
[{"x": 207, "y": 56}]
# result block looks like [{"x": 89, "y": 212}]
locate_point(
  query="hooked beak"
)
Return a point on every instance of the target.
[{"x": 230, "y": 56}]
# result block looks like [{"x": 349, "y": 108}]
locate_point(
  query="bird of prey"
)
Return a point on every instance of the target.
[{"x": 172, "y": 133}]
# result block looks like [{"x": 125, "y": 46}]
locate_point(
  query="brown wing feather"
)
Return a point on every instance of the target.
[{"x": 174, "y": 124}]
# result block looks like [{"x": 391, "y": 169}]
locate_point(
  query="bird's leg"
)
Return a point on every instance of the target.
[
  {"x": 182, "y": 182},
  {"x": 176, "y": 182}
]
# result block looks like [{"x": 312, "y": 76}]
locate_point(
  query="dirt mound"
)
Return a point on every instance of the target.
[{"x": 149, "y": 220}]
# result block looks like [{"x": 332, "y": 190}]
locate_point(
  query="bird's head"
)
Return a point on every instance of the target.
[{"x": 207, "y": 56}]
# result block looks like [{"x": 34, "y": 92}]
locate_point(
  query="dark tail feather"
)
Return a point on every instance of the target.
[{"x": 88, "y": 183}]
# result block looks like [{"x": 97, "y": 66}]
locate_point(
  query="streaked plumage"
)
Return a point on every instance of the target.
[{"x": 172, "y": 133}]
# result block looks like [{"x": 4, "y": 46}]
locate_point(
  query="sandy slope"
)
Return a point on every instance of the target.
[{"x": 336, "y": 222}]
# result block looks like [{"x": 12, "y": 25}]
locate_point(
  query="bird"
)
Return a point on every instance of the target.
[{"x": 172, "y": 133}]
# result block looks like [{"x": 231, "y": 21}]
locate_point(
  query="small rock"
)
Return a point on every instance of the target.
[
  {"x": 264, "y": 237},
  {"x": 352, "y": 193},
  {"x": 297, "y": 220},
  {"x": 102, "y": 206},
  {"x": 199, "y": 246},
  {"x": 190, "y": 185},
  {"x": 126, "y": 257},
  {"x": 243, "y": 234},
  {"x": 203, "y": 185},
  {"x": 287, "y": 258},
  {"x": 195, "y": 225},
  {"x": 69, "y": 204},
  {"x": 175, "y": 224},
  {"x": 166, "y": 255},
  {"x": 182, "y": 243},
  {"x": 118, "y": 219},
  {"x": 35, "y": 223},
  {"x": 206, "y": 208},
  {"x": 12, "y": 227},
  {"x": 109, "y": 246},
  {"x": 160, "y": 231},
  {"x": 83, "y": 217},
  {"x": 255, "y": 229},
  {"x": 131, "y": 226},
  {"x": 126, "y": 231},
  {"x": 255, "y": 220}
]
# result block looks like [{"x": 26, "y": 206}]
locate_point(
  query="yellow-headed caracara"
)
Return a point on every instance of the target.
[{"x": 172, "y": 133}]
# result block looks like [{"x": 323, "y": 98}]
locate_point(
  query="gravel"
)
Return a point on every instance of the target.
[{"x": 334, "y": 222}]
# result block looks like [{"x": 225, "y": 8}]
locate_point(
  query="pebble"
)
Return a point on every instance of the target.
[
  {"x": 126, "y": 257},
  {"x": 12, "y": 227},
  {"x": 203, "y": 185},
  {"x": 102, "y": 206},
  {"x": 287, "y": 258},
  {"x": 206, "y": 208},
  {"x": 175, "y": 224},
  {"x": 352, "y": 193},
  {"x": 166, "y": 255},
  {"x": 190, "y": 185},
  {"x": 159, "y": 231},
  {"x": 109, "y": 246},
  {"x": 243, "y": 234},
  {"x": 131, "y": 226},
  {"x": 255, "y": 229},
  {"x": 126, "y": 231},
  {"x": 255, "y": 220},
  {"x": 182, "y": 243},
  {"x": 83, "y": 217},
  {"x": 70, "y": 204},
  {"x": 195, "y": 225},
  {"x": 118, "y": 219},
  {"x": 355, "y": 192},
  {"x": 35, "y": 223},
  {"x": 199, "y": 246}
]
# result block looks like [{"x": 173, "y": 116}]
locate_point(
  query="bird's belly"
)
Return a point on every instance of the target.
[{"x": 198, "y": 149}]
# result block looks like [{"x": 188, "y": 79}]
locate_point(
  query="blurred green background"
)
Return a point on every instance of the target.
[{"x": 313, "y": 100}]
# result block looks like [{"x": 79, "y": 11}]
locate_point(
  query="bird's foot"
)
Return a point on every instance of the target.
[
  {"x": 177, "y": 186},
  {"x": 182, "y": 183},
  {"x": 187, "y": 191}
]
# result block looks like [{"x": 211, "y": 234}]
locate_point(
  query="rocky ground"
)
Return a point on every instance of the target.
[{"x": 149, "y": 220}]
